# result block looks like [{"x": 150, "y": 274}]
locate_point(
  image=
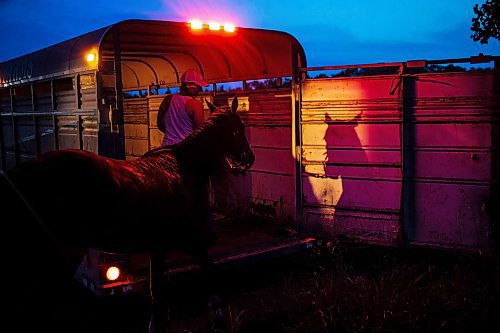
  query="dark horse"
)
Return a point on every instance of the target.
[{"x": 78, "y": 199}]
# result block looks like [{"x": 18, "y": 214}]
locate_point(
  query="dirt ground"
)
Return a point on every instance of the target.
[{"x": 335, "y": 287}]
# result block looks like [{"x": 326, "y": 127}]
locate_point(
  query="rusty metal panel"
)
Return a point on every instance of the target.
[
  {"x": 268, "y": 195},
  {"x": 268, "y": 188},
  {"x": 88, "y": 98},
  {"x": 47, "y": 137},
  {"x": 450, "y": 215},
  {"x": 411, "y": 158},
  {"x": 136, "y": 127},
  {"x": 458, "y": 86},
  {"x": 44, "y": 103},
  {"x": 155, "y": 135},
  {"x": 25, "y": 136},
  {"x": 65, "y": 100},
  {"x": 8, "y": 142},
  {"x": 89, "y": 132},
  {"x": 136, "y": 140},
  {"x": 23, "y": 104},
  {"x": 364, "y": 226},
  {"x": 68, "y": 131},
  {"x": 450, "y": 125},
  {"x": 6, "y": 139},
  {"x": 351, "y": 158}
]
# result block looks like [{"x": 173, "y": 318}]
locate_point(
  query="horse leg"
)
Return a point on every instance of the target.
[
  {"x": 211, "y": 285},
  {"x": 157, "y": 323}
]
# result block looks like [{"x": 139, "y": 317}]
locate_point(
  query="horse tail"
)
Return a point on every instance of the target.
[
  {"x": 12, "y": 204},
  {"x": 17, "y": 210},
  {"x": 32, "y": 247}
]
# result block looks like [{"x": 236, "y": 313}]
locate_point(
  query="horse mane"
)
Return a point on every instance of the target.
[
  {"x": 214, "y": 119},
  {"x": 192, "y": 149},
  {"x": 157, "y": 150}
]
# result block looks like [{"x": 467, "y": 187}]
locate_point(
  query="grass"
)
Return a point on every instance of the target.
[
  {"x": 340, "y": 287},
  {"x": 334, "y": 287}
]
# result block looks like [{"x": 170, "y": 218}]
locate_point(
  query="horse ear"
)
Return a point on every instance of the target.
[
  {"x": 234, "y": 105},
  {"x": 210, "y": 106}
]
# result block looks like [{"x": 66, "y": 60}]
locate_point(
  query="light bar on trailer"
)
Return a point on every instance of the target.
[
  {"x": 228, "y": 27},
  {"x": 212, "y": 25},
  {"x": 196, "y": 24}
]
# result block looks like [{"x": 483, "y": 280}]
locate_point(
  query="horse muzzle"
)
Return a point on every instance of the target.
[
  {"x": 247, "y": 159},
  {"x": 242, "y": 162}
]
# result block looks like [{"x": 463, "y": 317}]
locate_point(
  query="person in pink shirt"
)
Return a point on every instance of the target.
[{"x": 180, "y": 114}]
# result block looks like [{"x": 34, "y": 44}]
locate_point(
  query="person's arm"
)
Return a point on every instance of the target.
[
  {"x": 160, "y": 123},
  {"x": 195, "y": 111}
]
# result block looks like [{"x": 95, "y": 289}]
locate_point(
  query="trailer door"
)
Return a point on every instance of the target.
[
  {"x": 351, "y": 156},
  {"x": 409, "y": 156},
  {"x": 450, "y": 138}
]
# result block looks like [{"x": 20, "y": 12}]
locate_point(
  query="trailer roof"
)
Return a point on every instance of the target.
[{"x": 160, "y": 51}]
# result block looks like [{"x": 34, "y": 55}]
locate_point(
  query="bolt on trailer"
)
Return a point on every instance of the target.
[{"x": 398, "y": 154}]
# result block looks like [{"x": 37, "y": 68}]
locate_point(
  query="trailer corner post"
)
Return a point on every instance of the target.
[
  {"x": 296, "y": 136},
  {"x": 494, "y": 195},
  {"x": 3, "y": 164},
  {"x": 17, "y": 156},
  {"x": 79, "y": 125},
  {"x": 407, "y": 100},
  {"x": 119, "y": 137},
  {"x": 54, "y": 117}
]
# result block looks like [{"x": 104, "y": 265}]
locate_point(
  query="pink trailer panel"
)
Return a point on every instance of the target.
[
  {"x": 268, "y": 188},
  {"x": 449, "y": 123},
  {"x": 351, "y": 158},
  {"x": 397, "y": 158}
]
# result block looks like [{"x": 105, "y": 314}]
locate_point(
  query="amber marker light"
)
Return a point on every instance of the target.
[
  {"x": 91, "y": 57},
  {"x": 196, "y": 24},
  {"x": 228, "y": 27},
  {"x": 112, "y": 273},
  {"x": 214, "y": 26}
]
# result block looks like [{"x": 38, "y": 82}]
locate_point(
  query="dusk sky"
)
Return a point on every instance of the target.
[{"x": 331, "y": 32}]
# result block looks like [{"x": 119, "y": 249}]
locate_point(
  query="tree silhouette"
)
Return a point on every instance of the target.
[{"x": 486, "y": 24}]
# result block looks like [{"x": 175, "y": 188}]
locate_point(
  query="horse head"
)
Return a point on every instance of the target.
[{"x": 237, "y": 150}]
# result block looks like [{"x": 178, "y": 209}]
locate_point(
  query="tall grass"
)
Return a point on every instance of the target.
[{"x": 355, "y": 288}]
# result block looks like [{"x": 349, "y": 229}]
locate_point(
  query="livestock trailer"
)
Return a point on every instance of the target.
[{"x": 398, "y": 154}]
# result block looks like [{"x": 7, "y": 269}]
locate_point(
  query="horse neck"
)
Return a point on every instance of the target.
[{"x": 201, "y": 153}]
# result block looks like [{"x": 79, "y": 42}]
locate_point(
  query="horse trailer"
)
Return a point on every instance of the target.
[{"x": 397, "y": 154}]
